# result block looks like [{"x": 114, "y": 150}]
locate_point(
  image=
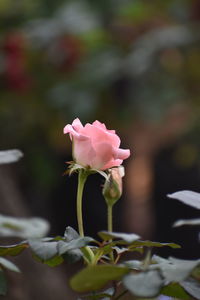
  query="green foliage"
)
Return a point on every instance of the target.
[
  {"x": 175, "y": 290},
  {"x": 13, "y": 250},
  {"x": 8, "y": 265},
  {"x": 144, "y": 284},
  {"x": 94, "y": 278}
]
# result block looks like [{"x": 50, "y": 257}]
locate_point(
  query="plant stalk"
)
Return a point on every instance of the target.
[
  {"x": 110, "y": 226},
  {"x": 87, "y": 252}
]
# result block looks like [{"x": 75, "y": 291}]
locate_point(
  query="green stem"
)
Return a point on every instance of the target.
[
  {"x": 87, "y": 252},
  {"x": 110, "y": 218},
  {"x": 82, "y": 176},
  {"x": 110, "y": 226}
]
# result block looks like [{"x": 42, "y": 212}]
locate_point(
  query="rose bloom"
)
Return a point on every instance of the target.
[{"x": 95, "y": 146}]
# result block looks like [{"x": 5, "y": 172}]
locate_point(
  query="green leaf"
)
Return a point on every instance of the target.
[
  {"x": 95, "y": 277},
  {"x": 23, "y": 227},
  {"x": 3, "y": 284},
  {"x": 10, "y": 156},
  {"x": 153, "y": 244},
  {"x": 187, "y": 197},
  {"x": 173, "y": 269},
  {"x": 191, "y": 222},
  {"x": 191, "y": 286},
  {"x": 44, "y": 250},
  {"x": 105, "y": 295},
  {"x": 144, "y": 284},
  {"x": 8, "y": 265},
  {"x": 72, "y": 256},
  {"x": 133, "y": 264},
  {"x": 126, "y": 237},
  {"x": 13, "y": 250},
  {"x": 175, "y": 290},
  {"x": 63, "y": 246},
  {"x": 70, "y": 234}
]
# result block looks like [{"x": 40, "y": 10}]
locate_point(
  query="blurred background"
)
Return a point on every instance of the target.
[{"x": 132, "y": 64}]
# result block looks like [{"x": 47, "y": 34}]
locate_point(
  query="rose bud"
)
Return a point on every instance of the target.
[{"x": 112, "y": 189}]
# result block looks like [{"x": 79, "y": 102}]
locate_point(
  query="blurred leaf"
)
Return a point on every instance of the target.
[
  {"x": 145, "y": 284},
  {"x": 63, "y": 246},
  {"x": 8, "y": 265},
  {"x": 175, "y": 290},
  {"x": 133, "y": 264},
  {"x": 153, "y": 244},
  {"x": 23, "y": 227},
  {"x": 192, "y": 287},
  {"x": 72, "y": 256},
  {"x": 71, "y": 234},
  {"x": 3, "y": 284},
  {"x": 187, "y": 197},
  {"x": 44, "y": 250},
  {"x": 95, "y": 277},
  {"x": 10, "y": 156},
  {"x": 173, "y": 269},
  {"x": 13, "y": 250},
  {"x": 128, "y": 238},
  {"x": 192, "y": 222}
]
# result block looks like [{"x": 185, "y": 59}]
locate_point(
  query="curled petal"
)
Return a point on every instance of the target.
[
  {"x": 121, "y": 153},
  {"x": 77, "y": 125}
]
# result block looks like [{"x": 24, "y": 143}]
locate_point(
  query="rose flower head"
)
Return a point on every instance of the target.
[{"x": 94, "y": 146}]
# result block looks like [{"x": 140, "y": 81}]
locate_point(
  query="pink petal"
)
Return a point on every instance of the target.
[
  {"x": 112, "y": 163},
  {"x": 83, "y": 151},
  {"x": 104, "y": 154},
  {"x": 73, "y": 133},
  {"x": 121, "y": 153},
  {"x": 77, "y": 125},
  {"x": 99, "y": 134},
  {"x": 99, "y": 125}
]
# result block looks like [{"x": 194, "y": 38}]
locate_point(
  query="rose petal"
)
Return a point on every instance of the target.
[
  {"x": 112, "y": 163},
  {"x": 98, "y": 134},
  {"x": 121, "y": 153},
  {"x": 77, "y": 125},
  {"x": 83, "y": 152},
  {"x": 104, "y": 154}
]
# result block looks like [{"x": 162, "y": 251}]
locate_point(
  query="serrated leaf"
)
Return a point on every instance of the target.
[
  {"x": 63, "y": 246},
  {"x": 187, "y": 197},
  {"x": 191, "y": 222},
  {"x": 175, "y": 290},
  {"x": 126, "y": 237},
  {"x": 23, "y": 227},
  {"x": 13, "y": 250},
  {"x": 70, "y": 234},
  {"x": 44, "y": 250},
  {"x": 8, "y": 265},
  {"x": 144, "y": 284},
  {"x": 10, "y": 156},
  {"x": 95, "y": 277},
  {"x": 191, "y": 286},
  {"x": 3, "y": 284}
]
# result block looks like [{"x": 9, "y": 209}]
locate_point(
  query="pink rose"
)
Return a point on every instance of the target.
[{"x": 95, "y": 146}]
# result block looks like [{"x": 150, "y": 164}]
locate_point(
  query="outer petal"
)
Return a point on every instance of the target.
[
  {"x": 121, "y": 153},
  {"x": 99, "y": 134},
  {"x": 104, "y": 154},
  {"x": 83, "y": 151},
  {"x": 77, "y": 125},
  {"x": 112, "y": 163}
]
